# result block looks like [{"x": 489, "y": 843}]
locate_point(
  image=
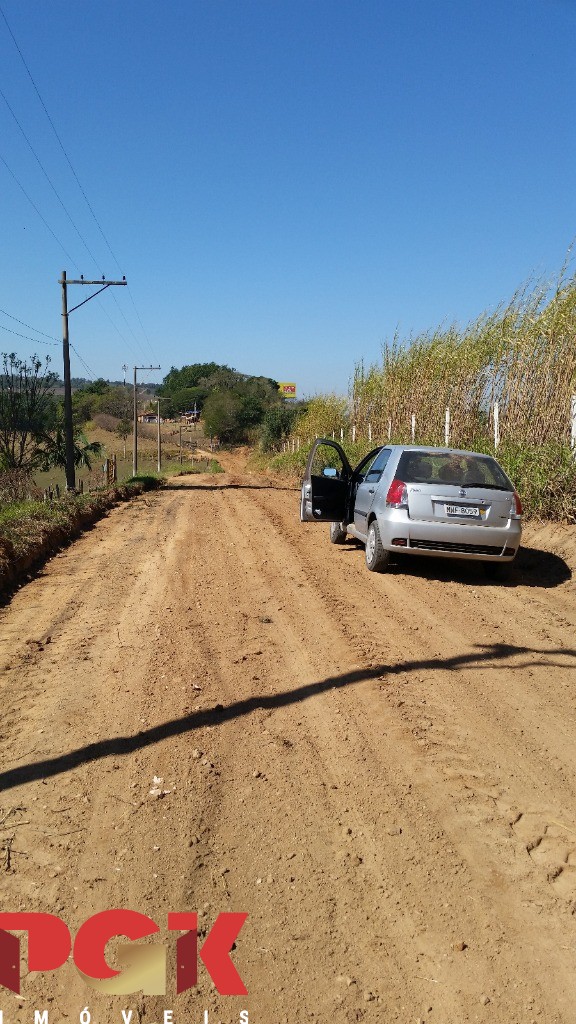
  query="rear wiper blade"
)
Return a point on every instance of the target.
[{"x": 491, "y": 487}]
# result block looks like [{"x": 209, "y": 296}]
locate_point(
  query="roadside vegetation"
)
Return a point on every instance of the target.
[
  {"x": 31, "y": 530},
  {"x": 31, "y": 419},
  {"x": 517, "y": 364},
  {"x": 37, "y": 516}
]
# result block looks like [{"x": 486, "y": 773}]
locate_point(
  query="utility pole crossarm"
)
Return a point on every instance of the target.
[{"x": 102, "y": 281}]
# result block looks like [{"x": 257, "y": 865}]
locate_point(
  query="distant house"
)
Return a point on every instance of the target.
[
  {"x": 149, "y": 417},
  {"x": 190, "y": 416}
]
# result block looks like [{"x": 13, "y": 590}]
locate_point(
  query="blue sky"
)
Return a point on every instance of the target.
[{"x": 283, "y": 182}]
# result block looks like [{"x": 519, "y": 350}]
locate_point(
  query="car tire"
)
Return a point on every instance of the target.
[
  {"x": 377, "y": 558},
  {"x": 338, "y": 533}
]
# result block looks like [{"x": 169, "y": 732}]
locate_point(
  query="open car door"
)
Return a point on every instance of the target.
[{"x": 326, "y": 484}]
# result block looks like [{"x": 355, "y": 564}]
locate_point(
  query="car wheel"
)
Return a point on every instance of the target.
[
  {"x": 377, "y": 558},
  {"x": 337, "y": 533}
]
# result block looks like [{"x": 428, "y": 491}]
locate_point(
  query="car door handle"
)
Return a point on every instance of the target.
[{"x": 371, "y": 490}]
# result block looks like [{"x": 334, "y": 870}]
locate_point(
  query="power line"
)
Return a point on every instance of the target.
[
  {"x": 140, "y": 322},
  {"x": 30, "y": 328},
  {"x": 85, "y": 365},
  {"x": 117, "y": 329},
  {"x": 37, "y": 341},
  {"x": 51, "y": 183},
  {"x": 42, "y": 218},
  {"x": 66, "y": 253},
  {"x": 122, "y": 314},
  {"x": 64, "y": 250},
  {"x": 78, "y": 182},
  {"x": 59, "y": 140}
]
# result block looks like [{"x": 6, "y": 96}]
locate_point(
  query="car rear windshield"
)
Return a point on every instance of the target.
[{"x": 451, "y": 468}]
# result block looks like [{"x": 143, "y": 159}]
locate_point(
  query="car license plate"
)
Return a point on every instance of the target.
[{"x": 463, "y": 510}]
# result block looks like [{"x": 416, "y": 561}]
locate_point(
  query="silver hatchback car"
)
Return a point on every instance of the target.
[{"x": 411, "y": 499}]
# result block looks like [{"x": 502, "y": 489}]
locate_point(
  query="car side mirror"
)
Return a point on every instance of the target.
[{"x": 329, "y": 471}]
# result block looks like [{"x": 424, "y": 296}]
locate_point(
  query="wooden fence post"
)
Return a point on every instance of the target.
[
  {"x": 496, "y": 426},
  {"x": 413, "y": 427},
  {"x": 573, "y": 425},
  {"x": 447, "y": 428}
]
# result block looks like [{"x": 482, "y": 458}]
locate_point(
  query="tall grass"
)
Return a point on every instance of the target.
[
  {"x": 324, "y": 414},
  {"x": 522, "y": 356}
]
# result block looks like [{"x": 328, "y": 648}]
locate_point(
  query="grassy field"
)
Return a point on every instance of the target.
[{"x": 147, "y": 456}]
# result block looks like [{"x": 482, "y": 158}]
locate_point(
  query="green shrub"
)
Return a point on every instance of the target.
[{"x": 149, "y": 481}]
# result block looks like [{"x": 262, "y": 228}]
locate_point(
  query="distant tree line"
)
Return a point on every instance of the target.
[{"x": 235, "y": 407}]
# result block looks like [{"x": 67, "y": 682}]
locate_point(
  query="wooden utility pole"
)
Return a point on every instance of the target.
[{"x": 68, "y": 425}]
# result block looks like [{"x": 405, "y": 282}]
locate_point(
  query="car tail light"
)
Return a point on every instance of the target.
[
  {"x": 397, "y": 496},
  {"x": 517, "y": 506}
]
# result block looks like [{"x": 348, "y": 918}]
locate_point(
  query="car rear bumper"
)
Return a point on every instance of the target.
[{"x": 451, "y": 540}]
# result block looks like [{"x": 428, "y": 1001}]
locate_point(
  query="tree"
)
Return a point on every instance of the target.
[
  {"x": 53, "y": 452},
  {"x": 232, "y": 404},
  {"x": 97, "y": 387},
  {"x": 188, "y": 377},
  {"x": 184, "y": 399},
  {"x": 221, "y": 411},
  {"x": 115, "y": 401},
  {"x": 276, "y": 425},
  {"x": 123, "y": 429},
  {"x": 27, "y": 410}
]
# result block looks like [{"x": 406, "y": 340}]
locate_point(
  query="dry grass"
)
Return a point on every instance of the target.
[{"x": 523, "y": 356}]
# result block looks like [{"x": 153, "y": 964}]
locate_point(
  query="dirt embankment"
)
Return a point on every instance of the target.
[
  {"x": 29, "y": 539},
  {"x": 380, "y": 770}
]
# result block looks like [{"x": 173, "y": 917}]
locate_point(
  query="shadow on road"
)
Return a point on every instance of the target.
[
  {"x": 486, "y": 655},
  {"x": 227, "y": 485},
  {"x": 531, "y": 568}
]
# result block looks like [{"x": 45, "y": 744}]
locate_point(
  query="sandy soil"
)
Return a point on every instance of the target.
[{"x": 379, "y": 770}]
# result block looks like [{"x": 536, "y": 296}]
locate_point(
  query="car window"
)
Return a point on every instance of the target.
[
  {"x": 378, "y": 466},
  {"x": 452, "y": 468},
  {"x": 327, "y": 462},
  {"x": 366, "y": 467}
]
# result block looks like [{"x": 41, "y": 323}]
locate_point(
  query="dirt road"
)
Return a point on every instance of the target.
[{"x": 379, "y": 770}]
